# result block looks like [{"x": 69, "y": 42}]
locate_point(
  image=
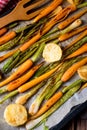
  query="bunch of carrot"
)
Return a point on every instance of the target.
[{"x": 31, "y": 75}]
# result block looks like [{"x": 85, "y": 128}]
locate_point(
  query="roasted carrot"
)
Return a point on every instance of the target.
[
  {"x": 25, "y": 66},
  {"x": 82, "y": 35},
  {"x": 71, "y": 71},
  {"x": 64, "y": 12},
  {"x": 72, "y": 33},
  {"x": 48, "y": 9},
  {"x": 16, "y": 83},
  {"x": 5, "y": 29},
  {"x": 30, "y": 42},
  {"x": 30, "y": 84},
  {"x": 48, "y": 104},
  {"x": 67, "y": 21},
  {"x": 2, "y": 31},
  {"x": 7, "y": 37},
  {"x": 37, "y": 80},
  {"x": 7, "y": 55},
  {"x": 48, "y": 26},
  {"x": 78, "y": 52}
]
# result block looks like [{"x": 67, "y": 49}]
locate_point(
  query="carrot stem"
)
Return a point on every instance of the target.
[
  {"x": 82, "y": 5},
  {"x": 13, "y": 93}
]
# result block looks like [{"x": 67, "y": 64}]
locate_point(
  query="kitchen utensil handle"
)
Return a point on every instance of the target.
[{"x": 5, "y": 20}]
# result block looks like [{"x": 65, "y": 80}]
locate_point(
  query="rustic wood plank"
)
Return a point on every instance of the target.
[
  {"x": 83, "y": 116},
  {"x": 81, "y": 125},
  {"x": 78, "y": 123},
  {"x": 70, "y": 126}
]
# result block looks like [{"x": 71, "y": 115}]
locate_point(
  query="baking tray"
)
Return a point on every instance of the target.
[{"x": 73, "y": 112}]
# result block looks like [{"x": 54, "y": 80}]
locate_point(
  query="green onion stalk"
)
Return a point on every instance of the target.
[
  {"x": 34, "y": 107},
  {"x": 13, "y": 60},
  {"x": 84, "y": 4},
  {"x": 19, "y": 59},
  {"x": 25, "y": 56},
  {"x": 33, "y": 123},
  {"x": 19, "y": 100},
  {"x": 69, "y": 28},
  {"x": 46, "y": 39},
  {"x": 34, "y": 58},
  {"x": 58, "y": 81},
  {"x": 77, "y": 2},
  {"x": 32, "y": 29},
  {"x": 49, "y": 82},
  {"x": 72, "y": 26},
  {"x": 23, "y": 98},
  {"x": 23, "y": 35},
  {"x": 8, "y": 63},
  {"x": 12, "y": 25},
  {"x": 45, "y": 68},
  {"x": 65, "y": 89}
]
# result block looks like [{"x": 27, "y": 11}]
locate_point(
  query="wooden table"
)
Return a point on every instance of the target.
[{"x": 78, "y": 123}]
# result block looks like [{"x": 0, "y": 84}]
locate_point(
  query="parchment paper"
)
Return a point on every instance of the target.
[{"x": 56, "y": 117}]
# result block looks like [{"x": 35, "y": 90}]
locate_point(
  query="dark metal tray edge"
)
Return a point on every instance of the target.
[{"x": 73, "y": 113}]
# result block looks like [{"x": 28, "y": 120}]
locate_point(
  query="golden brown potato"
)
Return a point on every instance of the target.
[{"x": 15, "y": 114}]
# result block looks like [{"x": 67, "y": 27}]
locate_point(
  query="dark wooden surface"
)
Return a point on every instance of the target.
[{"x": 78, "y": 123}]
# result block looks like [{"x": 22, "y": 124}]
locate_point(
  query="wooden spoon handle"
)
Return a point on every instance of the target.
[{"x": 7, "y": 19}]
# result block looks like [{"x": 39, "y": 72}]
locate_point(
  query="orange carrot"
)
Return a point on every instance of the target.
[
  {"x": 7, "y": 55},
  {"x": 7, "y": 37},
  {"x": 64, "y": 12},
  {"x": 24, "y": 67},
  {"x": 30, "y": 42},
  {"x": 16, "y": 83},
  {"x": 3, "y": 31},
  {"x": 37, "y": 80},
  {"x": 48, "y": 26},
  {"x": 78, "y": 52},
  {"x": 67, "y": 21},
  {"x": 48, "y": 104},
  {"x": 71, "y": 71},
  {"x": 82, "y": 35},
  {"x": 48, "y": 9},
  {"x": 72, "y": 33}
]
